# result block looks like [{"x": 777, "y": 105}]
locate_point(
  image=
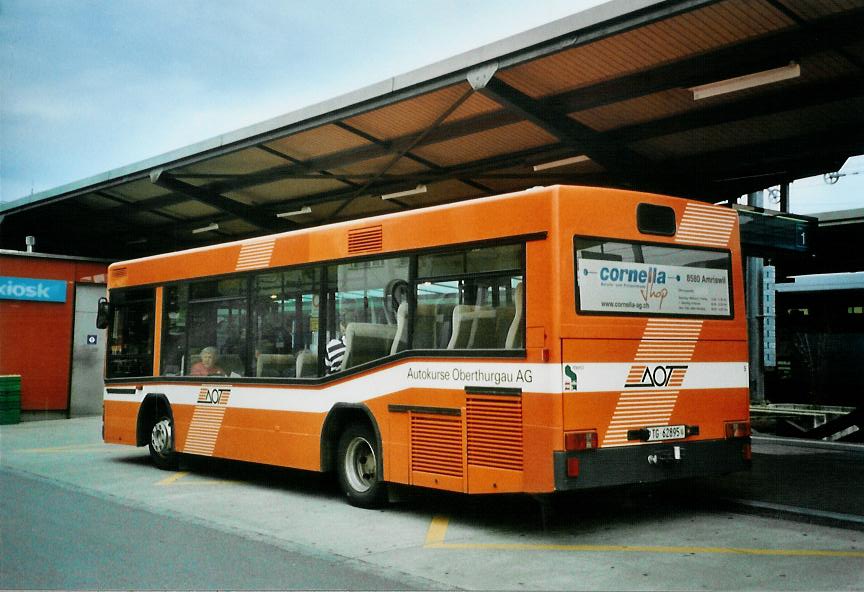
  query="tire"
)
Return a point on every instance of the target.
[
  {"x": 359, "y": 468},
  {"x": 162, "y": 445}
]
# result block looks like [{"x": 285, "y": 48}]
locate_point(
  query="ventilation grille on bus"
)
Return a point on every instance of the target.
[
  {"x": 118, "y": 273},
  {"x": 495, "y": 432},
  {"x": 364, "y": 240},
  {"x": 436, "y": 444}
]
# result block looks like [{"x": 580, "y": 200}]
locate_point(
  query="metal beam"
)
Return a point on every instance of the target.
[
  {"x": 766, "y": 52},
  {"x": 852, "y": 58},
  {"x": 723, "y": 173},
  {"x": 465, "y": 170},
  {"x": 245, "y": 212},
  {"x": 296, "y": 161},
  {"x": 774, "y": 102},
  {"x": 410, "y": 155},
  {"x": 147, "y": 205},
  {"x": 571, "y": 133},
  {"x": 401, "y": 153},
  {"x": 127, "y": 209}
]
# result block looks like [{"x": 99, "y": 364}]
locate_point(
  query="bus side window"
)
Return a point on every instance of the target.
[
  {"x": 364, "y": 298},
  {"x": 479, "y": 306},
  {"x": 285, "y": 323},
  {"x": 217, "y": 319}
]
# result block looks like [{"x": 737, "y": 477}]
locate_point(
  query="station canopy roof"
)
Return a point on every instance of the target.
[{"x": 622, "y": 95}]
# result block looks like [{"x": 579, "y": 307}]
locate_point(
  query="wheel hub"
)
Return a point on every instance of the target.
[
  {"x": 360, "y": 465},
  {"x": 161, "y": 438}
]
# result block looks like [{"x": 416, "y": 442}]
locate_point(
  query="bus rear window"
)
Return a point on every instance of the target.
[{"x": 629, "y": 278}]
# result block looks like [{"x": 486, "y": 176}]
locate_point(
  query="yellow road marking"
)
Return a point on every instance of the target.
[
  {"x": 208, "y": 482},
  {"x": 438, "y": 529},
  {"x": 175, "y": 477}
]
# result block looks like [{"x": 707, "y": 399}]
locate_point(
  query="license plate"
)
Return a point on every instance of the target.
[{"x": 674, "y": 432}]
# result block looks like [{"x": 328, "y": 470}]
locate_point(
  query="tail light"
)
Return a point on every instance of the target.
[
  {"x": 737, "y": 429},
  {"x": 586, "y": 440},
  {"x": 573, "y": 466}
]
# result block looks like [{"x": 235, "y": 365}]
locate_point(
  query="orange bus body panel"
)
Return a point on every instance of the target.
[{"x": 455, "y": 449}]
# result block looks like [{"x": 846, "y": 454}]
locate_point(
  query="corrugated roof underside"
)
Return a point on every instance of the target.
[
  {"x": 494, "y": 142},
  {"x": 683, "y": 36},
  {"x": 774, "y": 127}
]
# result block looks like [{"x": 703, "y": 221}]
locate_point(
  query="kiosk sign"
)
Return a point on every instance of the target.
[
  {"x": 626, "y": 287},
  {"x": 36, "y": 290}
]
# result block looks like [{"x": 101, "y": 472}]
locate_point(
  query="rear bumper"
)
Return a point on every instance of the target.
[{"x": 646, "y": 463}]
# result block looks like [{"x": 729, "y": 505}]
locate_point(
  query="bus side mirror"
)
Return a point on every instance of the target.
[{"x": 103, "y": 313}]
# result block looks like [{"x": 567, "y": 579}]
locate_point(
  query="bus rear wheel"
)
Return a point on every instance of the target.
[
  {"x": 358, "y": 467},
  {"x": 162, "y": 445}
]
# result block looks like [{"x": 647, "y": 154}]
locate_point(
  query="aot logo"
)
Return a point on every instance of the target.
[
  {"x": 660, "y": 376},
  {"x": 214, "y": 395},
  {"x": 32, "y": 289}
]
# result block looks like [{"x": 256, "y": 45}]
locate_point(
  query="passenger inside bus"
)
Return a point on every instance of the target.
[
  {"x": 206, "y": 366},
  {"x": 334, "y": 353}
]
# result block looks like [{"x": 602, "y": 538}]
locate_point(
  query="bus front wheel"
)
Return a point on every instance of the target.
[
  {"x": 162, "y": 445},
  {"x": 357, "y": 467}
]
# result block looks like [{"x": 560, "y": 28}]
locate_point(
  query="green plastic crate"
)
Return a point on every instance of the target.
[{"x": 10, "y": 417}]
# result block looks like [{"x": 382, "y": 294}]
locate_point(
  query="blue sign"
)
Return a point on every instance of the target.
[{"x": 37, "y": 290}]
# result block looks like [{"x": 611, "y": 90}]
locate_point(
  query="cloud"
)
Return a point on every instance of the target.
[{"x": 92, "y": 85}]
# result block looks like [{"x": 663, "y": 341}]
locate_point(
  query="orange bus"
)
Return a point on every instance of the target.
[{"x": 554, "y": 339}]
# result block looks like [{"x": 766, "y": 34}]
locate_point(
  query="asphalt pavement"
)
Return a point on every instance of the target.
[
  {"x": 811, "y": 481},
  {"x": 56, "y": 538},
  {"x": 78, "y": 513}
]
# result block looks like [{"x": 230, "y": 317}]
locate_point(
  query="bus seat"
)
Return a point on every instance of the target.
[
  {"x": 275, "y": 365},
  {"x": 461, "y": 326},
  {"x": 400, "y": 339},
  {"x": 365, "y": 342},
  {"x": 306, "y": 365},
  {"x": 473, "y": 327},
  {"x": 515, "y": 338},
  {"x": 424, "y": 326},
  {"x": 483, "y": 329},
  {"x": 503, "y": 320},
  {"x": 443, "y": 324},
  {"x": 231, "y": 363}
]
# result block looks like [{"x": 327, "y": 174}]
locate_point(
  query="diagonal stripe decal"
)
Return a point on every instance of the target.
[
  {"x": 255, "y": 255},
  {"x": 704, "y": 224},
  {"x": 636, "y": 410},
  {"x": 668, "y": 340},
  {"x": 667, "y": 344},
  {"x": 207, "y": 419}
]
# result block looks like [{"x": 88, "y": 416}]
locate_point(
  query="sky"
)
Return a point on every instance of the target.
[{"x": 87, "y": 86}]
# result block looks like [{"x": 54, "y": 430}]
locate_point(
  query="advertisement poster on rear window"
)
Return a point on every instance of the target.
[{"x": 642, "y": 288}]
